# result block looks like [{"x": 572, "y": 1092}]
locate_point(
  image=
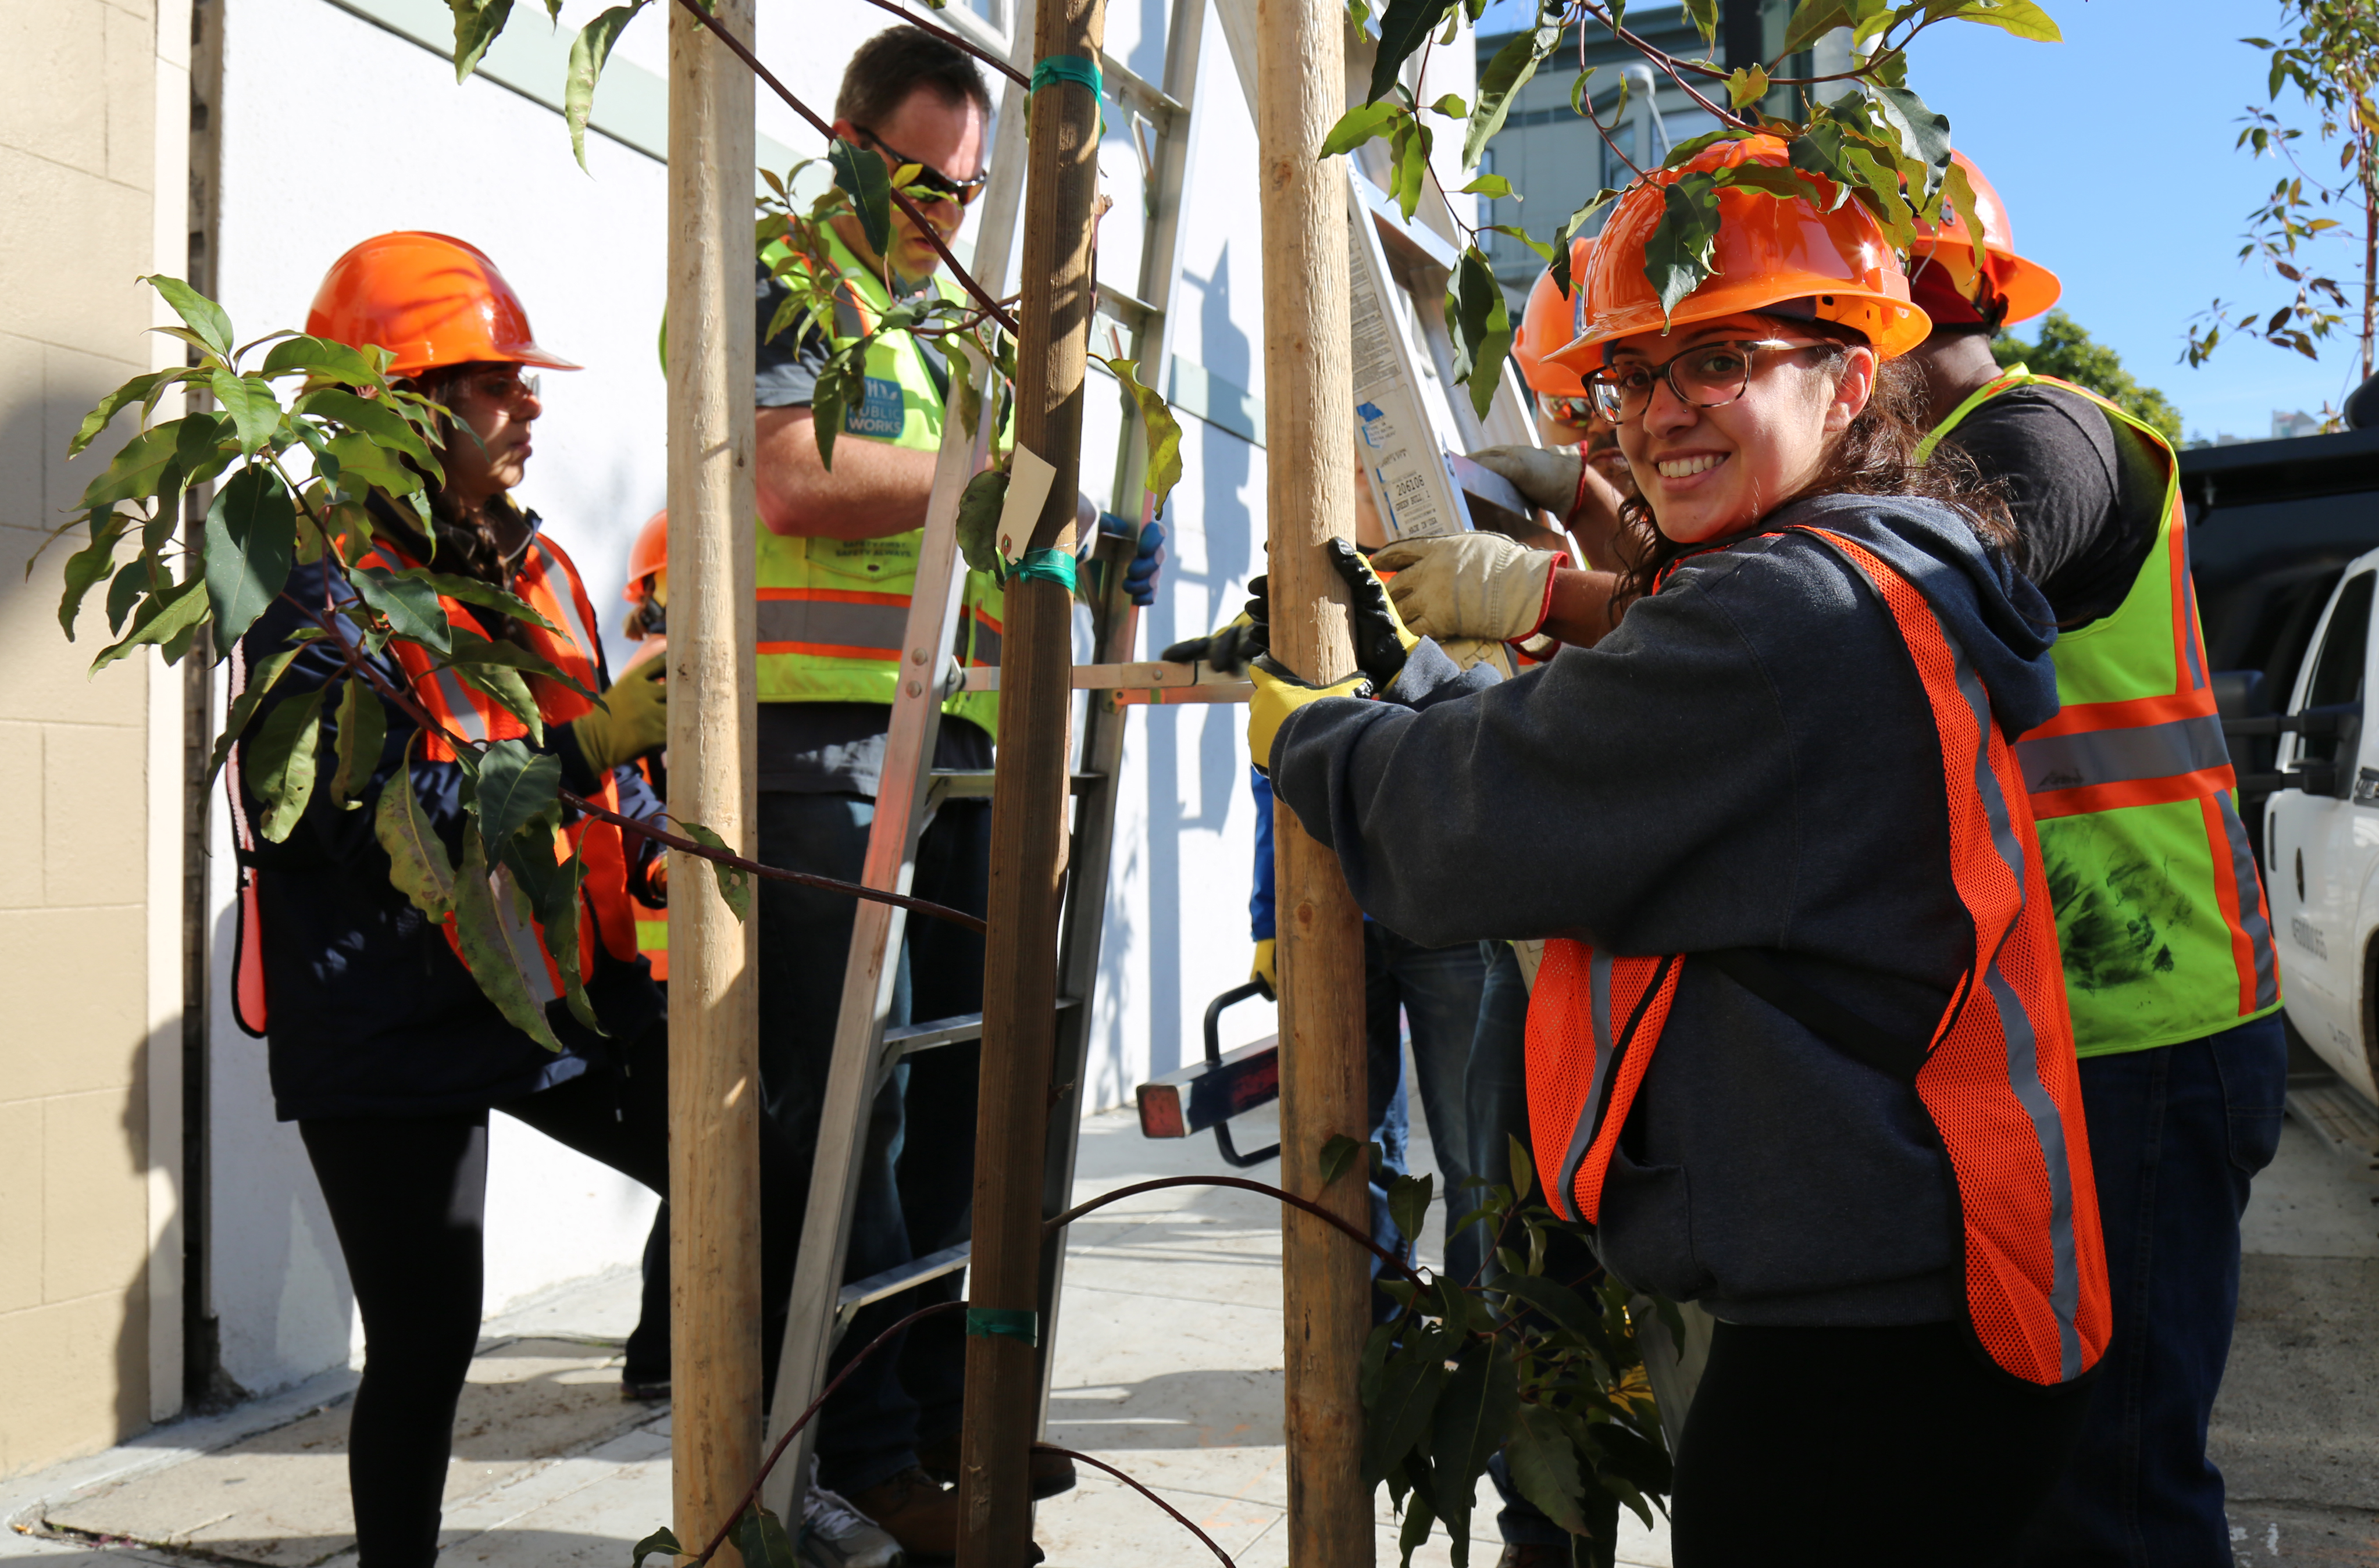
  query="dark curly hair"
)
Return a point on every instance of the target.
[{"x": 1874, "y": 456}]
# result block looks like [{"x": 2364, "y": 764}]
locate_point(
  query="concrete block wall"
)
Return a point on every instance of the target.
[{"x": 81, "y": 1215}]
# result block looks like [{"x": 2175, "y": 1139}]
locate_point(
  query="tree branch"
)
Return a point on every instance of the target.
[{"x": 956, "y": 40}]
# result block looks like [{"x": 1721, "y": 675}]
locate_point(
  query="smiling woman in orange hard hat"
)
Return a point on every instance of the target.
[
  {"x": 2161, "y": 916},
  {"x": 1799, "y": 1048},
  {"x": 383, "y": 1050}
]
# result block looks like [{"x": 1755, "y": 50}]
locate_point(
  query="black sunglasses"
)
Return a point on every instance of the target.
[{"x": 931, "y": 184}]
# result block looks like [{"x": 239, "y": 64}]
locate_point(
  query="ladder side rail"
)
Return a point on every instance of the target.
[{"x": 1091, "y": 853}]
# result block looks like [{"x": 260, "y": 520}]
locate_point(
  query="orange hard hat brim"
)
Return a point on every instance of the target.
[{"x": 2031, "y": 288}]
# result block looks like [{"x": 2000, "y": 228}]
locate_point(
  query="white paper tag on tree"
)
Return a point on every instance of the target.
[{"x": 1030, "y": 477}]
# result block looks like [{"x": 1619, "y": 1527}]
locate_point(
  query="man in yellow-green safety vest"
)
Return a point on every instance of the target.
[{"x": 2161, "y": 918}]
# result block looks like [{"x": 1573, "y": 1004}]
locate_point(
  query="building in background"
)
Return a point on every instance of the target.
[{"x": 1555, "y": 157}]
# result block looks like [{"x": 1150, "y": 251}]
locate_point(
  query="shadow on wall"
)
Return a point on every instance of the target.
[{"x": 1225, "y": 465}]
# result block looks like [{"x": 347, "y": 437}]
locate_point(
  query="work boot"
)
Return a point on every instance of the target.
[
  {"x": 922, "y": 1516},
  {"x": 836, "y": 1535},
  {"x": 1051, "y": 1471}
]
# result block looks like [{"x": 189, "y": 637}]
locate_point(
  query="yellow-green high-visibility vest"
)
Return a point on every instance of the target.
[
  {"x": 833, "y": 613},
  {"x": 2160, "y": 908}
]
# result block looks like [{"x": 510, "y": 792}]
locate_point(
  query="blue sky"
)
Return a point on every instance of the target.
[{"x": 2164, "y": 81}]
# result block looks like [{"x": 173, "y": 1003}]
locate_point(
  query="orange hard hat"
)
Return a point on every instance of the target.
[
  {"x": 1769, "y": 252},
  {"x": 430, "y": 300},
  {"x": 2018, "y": 289},
  {"x": 1550, "y": 321},
  {"x": 648, "y": 557}
]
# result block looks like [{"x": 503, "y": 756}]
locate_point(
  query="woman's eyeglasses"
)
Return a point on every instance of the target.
[
  {"x": 931, "y": 184},
  {"x": 1707, "y": 375}
]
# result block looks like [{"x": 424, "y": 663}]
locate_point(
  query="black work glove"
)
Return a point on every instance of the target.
[
  {"x": 1381, "y": 640},
  {"x": 1225, "y": 649}
]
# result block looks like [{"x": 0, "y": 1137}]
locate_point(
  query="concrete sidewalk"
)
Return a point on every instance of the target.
[{"x": 1168, "y": 1367}]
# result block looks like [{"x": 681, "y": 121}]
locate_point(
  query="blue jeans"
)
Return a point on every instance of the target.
[
  {"x": 916, "y": 1182},
  {"x": 2175, "y": 1135},
  {"x": 1437, "y": 991}
]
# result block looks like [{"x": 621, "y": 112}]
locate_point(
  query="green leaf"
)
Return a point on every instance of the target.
[
  {"x": 734, "y": 881},
  {"x": 243, "y": 708},
  {"x": 251, "y": 532},
  {"x": 1703, "y": 14},
  {"x": 1408, "y": 1199},
  {"x": 137, "y": 390},
  {"x": 1812, "y": 19},
  {"x": 659, "y": 1540},
  {"x": 1747, "y": 86},
  {"x": 862, "y": 175},
  {"x": 204, "y": 316},
  {"x": 978, "y": 524},
  {"x": 1524, "y": 1169},
  {"x": 588, "y": 53},
  {"x": 470, "y": 648},
  {"x": 410, "y": 605},
  {"x": 1502, "y": 80},
  {"x": 1677, "y": 256},
  {"x": 363, "y": 464},
  {"x": 1163, "y": 430},
  {"x": 841, "y": 376},
  {"x": 1544, "y": 1466},
  {"x": 760, "y": 1536},
  {"x": 1959, "y": 191},
  {"x": 1785, "y": 185},
  {"x": 505, "y": 685},
  {"x": 371, "y": 416},
  {"x": 1410, "y": 1388},
  {"x": 1492, "y": 186},
  {"x": 164, "y": 616},
  {"x": 1473, "y": 1418},
  {"x": 363, "y": 727},
  {"x": 1408, "y": 151},
  {"x": 1336, "y": 1155},
  {"x": 1544, "y": 250},
  {"x": 281, "y": 763},
  {"x": 1924, "y": 134},
  {"x": 1563, "y": 1307},
  {"x": 255, "y": 412},
  {"x": 321, "y": 357},
  {"x": 88, "y": 564},
  {"x": 1450, "y": 106},
  {"x": 138, "y": 467},
  {"x": 1415, "y": 1534},
  {"x": 477, "y": 23},
  {"x": 1479, "y": 320},
  {"x": 517, "y": 785},
  {"x": 1405, "y": 26},
  {"x": 418, "y": 863},
  {"x": 559, "y": 915},
  {"x": 1358, "y": 125},
  {"x": 499, "y": 944},
  {"x": 2022, "y": 18},
  {"x": 470, "y": 590}
]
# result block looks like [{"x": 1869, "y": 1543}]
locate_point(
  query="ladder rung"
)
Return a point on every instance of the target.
[
  {"x": 1128, "y": 87},
  {"x": 894, "y": 1280},
  {"x": 964, "y": 784},
  {"x": 913, "y": 1038}
]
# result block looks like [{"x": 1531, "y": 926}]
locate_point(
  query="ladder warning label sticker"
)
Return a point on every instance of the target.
[{"x": 1411, "y": 484}]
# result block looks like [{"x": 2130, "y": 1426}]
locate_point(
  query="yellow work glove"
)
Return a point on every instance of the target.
[
  {"x": 1470, "y": 585},
  {"x": 632, "y": 721},
  {"x": 1278, "y": 694},
  {"x": 1547, "y": 475},
  {"x": 1265, "y": 970}
]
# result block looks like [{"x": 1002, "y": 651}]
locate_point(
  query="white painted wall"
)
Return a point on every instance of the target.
[{"x": 309, "y": 171}]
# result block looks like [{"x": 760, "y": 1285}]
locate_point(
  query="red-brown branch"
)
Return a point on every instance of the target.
[
  {"x": 1292, "y": 1199},
  {"x": 1179, "y": 1518},
  {"x": 965, "y": 278},
  {"x": 956, "y": 40}
]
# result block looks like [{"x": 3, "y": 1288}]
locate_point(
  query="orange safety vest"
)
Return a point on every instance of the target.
[
  {"x": 550, "y": 585},
  {"x": 1998, "y": 1077}
]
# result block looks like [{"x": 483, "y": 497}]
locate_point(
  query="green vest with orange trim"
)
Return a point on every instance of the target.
[
  {"x": 2160, "y": 909},
  {"x": 833, "y": 613},
  {"x": 1998, "y": 1079}
]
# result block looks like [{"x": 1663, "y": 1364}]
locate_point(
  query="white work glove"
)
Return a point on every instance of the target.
[
  {"x": 1547, "y": 477},
  {"x": 1470, "y": 586}
]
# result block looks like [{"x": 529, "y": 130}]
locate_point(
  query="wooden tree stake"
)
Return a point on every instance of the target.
[
  {"x": 1029, "y": 810},
  {"x": 1309, "y": 476},
  {"x": 714, "y": 1004}
]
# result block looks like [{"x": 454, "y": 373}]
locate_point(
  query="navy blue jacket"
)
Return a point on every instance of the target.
[
  {"x": 371, "y": 1013},
  {"x": 1748, "y": 761}
]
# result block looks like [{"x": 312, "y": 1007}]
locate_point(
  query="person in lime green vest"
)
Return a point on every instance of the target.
[
  {"x": 837, "y": 553},
  {"x": 2166, "y": 939}
]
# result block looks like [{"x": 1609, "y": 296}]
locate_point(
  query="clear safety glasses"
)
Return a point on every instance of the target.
[{"x": 1707, "y": 375}]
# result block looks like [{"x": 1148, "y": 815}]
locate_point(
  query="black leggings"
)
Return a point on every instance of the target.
[
  {"x": 1863, "y": 1448},
  {"x": 408, "y": 1196}
]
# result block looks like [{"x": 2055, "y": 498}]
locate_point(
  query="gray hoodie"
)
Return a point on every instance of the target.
[{"x": 1748, "y": 761}]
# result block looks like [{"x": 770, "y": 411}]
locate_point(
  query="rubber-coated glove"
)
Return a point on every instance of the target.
[
  {"x": 1381, "y": 639},
  {"x": 1223, "y": 650},
  {"x": 1148, "y": 555},
  {"x": 1265, "y": 970},
  {"x": 1470, "y": 585},
  {"x": 633, "y": 721},
  {"x": 1279, "y": 692},
  {"x": 1548, "y": 476}
]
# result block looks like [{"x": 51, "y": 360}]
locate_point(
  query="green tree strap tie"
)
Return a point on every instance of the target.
[
  {"x": 983, "y": 1322},
  {"x": 1045, "y": 565},
  {"x": 1066, "y": 67}
]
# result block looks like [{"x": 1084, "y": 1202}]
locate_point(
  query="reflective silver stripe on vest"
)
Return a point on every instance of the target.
[
  {"x": 2023, "y": 1044},
  {"x": 2250, "y": 895},
  {"x": 833, "y": 624},
  {"x": 1581, "y": 1137},
  {"x": 984, "y": 649},
  {"x": 563, "y": 590},
  {"x": 461, "y": 709},
  {"x": 2119, "y": 756}
]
